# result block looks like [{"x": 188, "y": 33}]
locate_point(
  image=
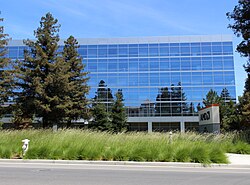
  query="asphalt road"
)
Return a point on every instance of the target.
[{"x": 92, "y": 174}]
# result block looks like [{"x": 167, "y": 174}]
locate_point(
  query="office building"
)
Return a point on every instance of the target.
[{"x": 163, "y": 79}]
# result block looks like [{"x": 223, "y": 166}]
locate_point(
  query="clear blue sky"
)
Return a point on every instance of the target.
[{"x": 124, "y": 18}]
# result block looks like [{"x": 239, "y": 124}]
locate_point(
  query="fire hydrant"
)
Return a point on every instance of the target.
[{"x": 25, "y": 146}]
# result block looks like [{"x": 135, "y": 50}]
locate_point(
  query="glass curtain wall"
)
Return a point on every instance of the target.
[{"x": 157, "y": 79}]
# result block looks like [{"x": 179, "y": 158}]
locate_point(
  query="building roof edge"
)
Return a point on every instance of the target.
[{"x": 138, "y": 40}]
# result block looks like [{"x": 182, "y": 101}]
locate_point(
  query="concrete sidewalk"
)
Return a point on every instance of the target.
[{"x": 239, "y": 159}]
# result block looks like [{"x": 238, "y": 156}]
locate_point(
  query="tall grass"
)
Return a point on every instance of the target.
[{"x": 86, "y": 145}]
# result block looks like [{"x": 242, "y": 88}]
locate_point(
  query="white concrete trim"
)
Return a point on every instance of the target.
[
  {"x": 163, "y": 119},
  {"x": 150, "y": 127},
  {"x": 143, "y": 40},
  {"x": 182, "y": 126}
]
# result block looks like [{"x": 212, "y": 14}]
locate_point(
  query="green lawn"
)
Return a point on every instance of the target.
[{"x": 86, "y": 145}]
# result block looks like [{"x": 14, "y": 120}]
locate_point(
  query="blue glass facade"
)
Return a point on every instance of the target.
[{"x": 158, "y": 76}]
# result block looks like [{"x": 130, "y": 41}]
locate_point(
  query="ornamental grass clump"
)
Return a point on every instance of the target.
[{"x": 72, "y": 144}]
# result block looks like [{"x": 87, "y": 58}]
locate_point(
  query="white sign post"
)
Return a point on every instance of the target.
[{"x": 209, "y": 119}]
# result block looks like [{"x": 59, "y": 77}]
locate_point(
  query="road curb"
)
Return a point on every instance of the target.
[{"x": 128, "y": 163}]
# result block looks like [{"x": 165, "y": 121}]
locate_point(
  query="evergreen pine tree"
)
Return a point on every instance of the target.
[
  {"x": 101, "y": 108},
  {"x": 228, "y": 111},
  {"x": 6, "y": 73},
  {"x": 100, "y": 118},
  {"x": 241, "y": 27},
  {"x": 229, "y": 114},
  {"x": 78, "y": 88},
  {"x": 230, "y": 117},
  {"x": 119, "y": 117},
  {"x": 244, "y": 106},
  {"x": 42, "y": 76}
]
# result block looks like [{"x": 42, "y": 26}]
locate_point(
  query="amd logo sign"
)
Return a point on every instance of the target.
[
  {"x": 209, "y": 115},
  {"x": 205, "y": 116}
]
